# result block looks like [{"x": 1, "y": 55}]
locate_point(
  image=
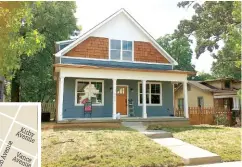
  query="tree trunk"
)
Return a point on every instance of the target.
[{"x": 15, "y": 88}]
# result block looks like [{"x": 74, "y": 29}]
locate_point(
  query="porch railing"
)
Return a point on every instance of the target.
[{"x": 49, "y": 107}]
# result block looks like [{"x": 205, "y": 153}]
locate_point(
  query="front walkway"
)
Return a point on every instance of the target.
[
  {"x": 225, "y": 164},
  {"x": 190, "y": 154}
]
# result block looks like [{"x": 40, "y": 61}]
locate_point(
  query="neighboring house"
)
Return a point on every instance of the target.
[
  {"x": 1, "y": 89},
  {"x": 218, "y": 93},
  {"x": 111, "y": 65}
]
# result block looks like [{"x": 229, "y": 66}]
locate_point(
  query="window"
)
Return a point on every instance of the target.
[
  {"x": 153, "y": 94},
  {"x": 200, "y": 102},
  {"x": 89, "y": 90},
  {"x": 180, "y": 103},
  {"x": 121, "y": 50},
  {"x": 227, "y": 84},
  {"x": 188, "y": 87}
]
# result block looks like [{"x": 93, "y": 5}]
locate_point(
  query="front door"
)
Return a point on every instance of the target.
[{"x": 122, "y": 100}]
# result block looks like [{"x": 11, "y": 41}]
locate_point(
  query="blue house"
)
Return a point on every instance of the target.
[{"x": 120, "y": 68}]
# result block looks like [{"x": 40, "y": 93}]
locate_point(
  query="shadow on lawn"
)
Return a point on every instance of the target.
[{"x": 186, "y": 128}]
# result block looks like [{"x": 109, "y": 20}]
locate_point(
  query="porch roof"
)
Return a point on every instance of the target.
[{"x": 56, "y": 66}]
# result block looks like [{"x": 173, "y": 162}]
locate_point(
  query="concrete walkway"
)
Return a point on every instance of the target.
[
  {"x": 190, "y": 154},
  {"x": 225, "y": 164}
]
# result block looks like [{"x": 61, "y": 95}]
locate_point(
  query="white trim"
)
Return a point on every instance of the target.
[
  {"x": 185, "y": 93},
  {"x": 89, "y": 80},
  {"x": 224, "y": 96},
  {"x": 127, "y": 98},
  {"x": 114, "y": 98},
  {"x": 60, "y": 98},
  {"x": 121, "y": 51},
  {"x": 121, "y": 74},
  {"x": 144, "y": 108},
  {"x": 88, "y": 33},
  {"x": 150, "y": 82},
  {"x": 108, "y": 60}
]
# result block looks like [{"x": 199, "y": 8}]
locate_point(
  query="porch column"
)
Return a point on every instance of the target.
[
  {"x": 114, "y": 98},
  {"x": 144, "y": 98},
  {"x": 235, "y": 103},
  {"x": 186, "y": 114},
  {"x": 60, "y": 98}
]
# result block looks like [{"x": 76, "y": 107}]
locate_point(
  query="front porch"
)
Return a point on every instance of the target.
[
  {"x": 110, "y": 91},
  {"x": 114, "y": 123}
]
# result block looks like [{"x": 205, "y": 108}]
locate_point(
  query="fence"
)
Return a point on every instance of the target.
[
  {"x": 49, "y": 107},
  {"x": 207, "y": 115}
]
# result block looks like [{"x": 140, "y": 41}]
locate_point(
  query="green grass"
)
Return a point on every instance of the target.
[
  {"x": 103, "y": 147},
  {"x": 224, "y": 141}
]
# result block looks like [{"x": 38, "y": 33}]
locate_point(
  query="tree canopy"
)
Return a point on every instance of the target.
[
  {"x": 55, "y": 21},
  {"x": 216, "y": 26},
  {"x": 28, "y": 34},
  {"x": 18, "y": 36},
  {"x": 178, "y": 47}
]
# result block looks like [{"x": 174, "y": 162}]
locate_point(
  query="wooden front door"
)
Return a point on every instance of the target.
[{"x": 122, "y": 100}]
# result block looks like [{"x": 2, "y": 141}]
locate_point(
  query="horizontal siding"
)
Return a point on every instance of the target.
[
  {"x": 116, "y": 64},
  {"x": 72, "y": 111}
]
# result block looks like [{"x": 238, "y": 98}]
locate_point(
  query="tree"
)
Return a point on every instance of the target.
[
  {"x": 179, "y": 48},
  {"x": 55, "y": 21},
  {"x": 18, "y": 36},
  {"x": 201, "y": 76},
  {"x": 214, "y": 24}
]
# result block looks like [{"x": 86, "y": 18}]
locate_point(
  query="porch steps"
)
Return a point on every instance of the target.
[{"x": 190, "y": 154}]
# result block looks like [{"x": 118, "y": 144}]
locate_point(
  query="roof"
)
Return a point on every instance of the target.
[
  {"x": 201, "y": 86},
  {"x": 118, "y": 68},
  {"x": 206, "y": 87},
  {"x": 88, "y": 33},
  {"x": 221, "y": 79}
]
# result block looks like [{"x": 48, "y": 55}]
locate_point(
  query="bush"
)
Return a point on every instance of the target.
[{"x": 221, "y": 119}]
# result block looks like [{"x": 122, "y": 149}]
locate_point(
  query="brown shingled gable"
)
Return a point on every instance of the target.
[
  {"x": 92, "y": 47},
  {"x": 146, "y": 52}
]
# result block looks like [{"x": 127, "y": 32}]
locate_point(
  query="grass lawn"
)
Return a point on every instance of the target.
[
  {"x": 224, "y": 141},
  {"x": 103, "y": 147}
]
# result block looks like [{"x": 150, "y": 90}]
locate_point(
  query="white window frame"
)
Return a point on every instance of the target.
[
  {"x": 149, "y": 104},
  {"x": 121, "y": 51},
  {"x": 88, "y": 80}
]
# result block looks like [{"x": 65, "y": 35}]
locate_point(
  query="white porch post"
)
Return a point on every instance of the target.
[
  {"x": 144, "y": 98},
  {"x": 186, "y": 114},
  {"x": 114, "y": 98},
  {"x": 60, "y": 98},
  {"x": 235, "y": 103}
]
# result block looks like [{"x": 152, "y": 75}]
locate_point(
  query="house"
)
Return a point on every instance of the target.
[
  {"x": 1, "y": 89},
  {"x": 217, "y": 93},
  {"x": 112, "y": 64}
]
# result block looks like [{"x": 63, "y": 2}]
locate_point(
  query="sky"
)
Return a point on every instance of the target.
[{"x": 158, "y": 17}]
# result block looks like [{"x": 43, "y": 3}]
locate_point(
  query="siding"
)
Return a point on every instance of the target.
[
  {"x": 116, "y": 64},
  {"x": 98, "y": 48},
  {"x": 146, "y": 52},
  {"x": 72, "y": 111},
  {"x": 92, "y": 47},
  {"x": 193, "y": 94}
]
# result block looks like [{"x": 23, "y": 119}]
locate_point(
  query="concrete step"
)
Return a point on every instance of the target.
[
  {"x": 157, "y": 134},
  {"x": 190, "y": 154},
  {"x": 135, "y": 125}
]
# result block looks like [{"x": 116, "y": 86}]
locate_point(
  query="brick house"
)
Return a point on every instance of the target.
[{"x": 111, "y": 65}]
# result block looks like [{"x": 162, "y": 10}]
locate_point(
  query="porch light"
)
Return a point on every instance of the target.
[
  {"x": 131, "y": 90},
  {"x": 111, "y": 89}
]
